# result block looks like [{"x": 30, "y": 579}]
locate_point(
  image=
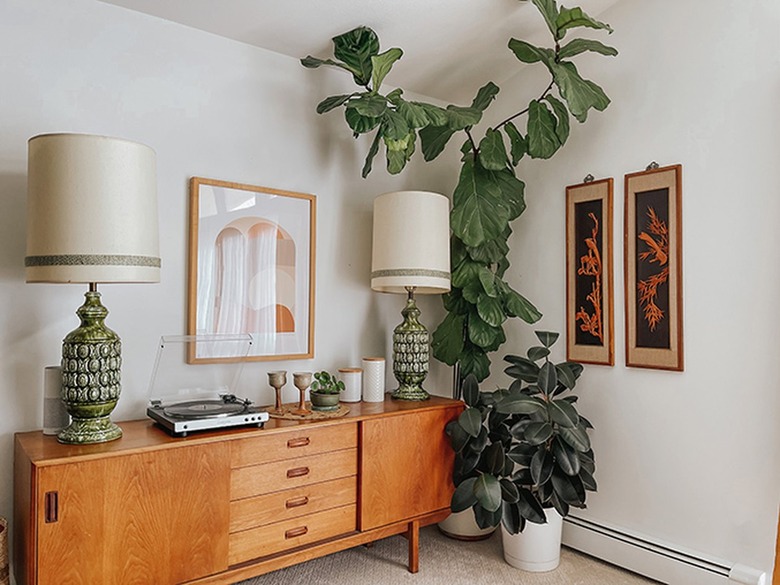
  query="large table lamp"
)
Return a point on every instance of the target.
[
  {"x": 411, "y": 254},
  {"x": 91, "y": 218}
]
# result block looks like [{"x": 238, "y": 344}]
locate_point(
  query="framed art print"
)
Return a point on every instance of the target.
[
  {"x": 251, "y": 269},
  {"x": 653, "y": 268},
  {"x": 589, "y": 288}
]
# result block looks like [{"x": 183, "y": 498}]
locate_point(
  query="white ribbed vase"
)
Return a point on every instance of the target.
[{"x": 373, "y": 379}]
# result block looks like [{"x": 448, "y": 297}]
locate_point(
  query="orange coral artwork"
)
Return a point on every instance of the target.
[
  {"x": 656, "y": 241},
  {"x": 590, "y": 265}
]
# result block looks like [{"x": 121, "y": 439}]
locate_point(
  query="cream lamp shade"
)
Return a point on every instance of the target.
[
  {"x": 92, "y": 210},
  {"x": 411, "y": 243}
]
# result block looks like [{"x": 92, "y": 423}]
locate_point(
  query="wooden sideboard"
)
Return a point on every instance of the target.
[{"x": 220, "y": 507}]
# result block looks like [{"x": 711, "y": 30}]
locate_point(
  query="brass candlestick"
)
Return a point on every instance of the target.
[
  {"x": 277, "y": 380},
  {"x": 302, "y": 380}
]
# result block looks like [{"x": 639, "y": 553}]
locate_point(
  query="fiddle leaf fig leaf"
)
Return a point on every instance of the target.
[
  {"x": 371, "y": 154},
  {"x": 512, "y": 194},
  {"x": 437, "y": 115},
  {"x": 488, "y": 281},
  {"x": 489, "y": 252},
  {"x": 483, "y": 335},
  {"x": 414, "y": 114},
  {"x": 394, "y": 127},
  {"x": 313, "y": 63},
  {"x": 459, "y": 118},
  {"x": 434, "y": 139},
  {"x": 528, "y": 53},
  {"x": 562, "y": 114},
  {"x": 358, "y": 123},
  {"x": 477, "y": 212},
  {"x": 580, "y": 94},
  {"x": 518, "y": 306},
  {"x": 447, "y": 342},
  {"x": 577, "y": 46},
  {"x": 355, "y": 48},
  {"x": 518, "y": 144},
  {"x": 549, "y": 11},
  {"x": 370, "y": 105},
  {"x": 492, "y": 152},
  {"x": 332, "y": 102},
  {"x": 490, "y": 310},
  {"x": 485, "y": 95},
  {"x": 473, "y": 360},
  {"x": 543, "y": 141},
  {"x": 569, "y": 18},
  {"x": 382, "y": 64}
]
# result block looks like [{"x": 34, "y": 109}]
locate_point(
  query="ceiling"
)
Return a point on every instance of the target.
[{"x": 451, "y": 48}]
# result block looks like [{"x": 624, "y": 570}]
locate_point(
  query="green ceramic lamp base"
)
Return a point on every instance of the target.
[
  {"x": 91, "y": 363},
  {"x": 90, "y": 430},
  {"x": 410, "y": 353}
]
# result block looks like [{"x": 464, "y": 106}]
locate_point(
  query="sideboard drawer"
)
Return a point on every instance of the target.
[
  {"x": 297, "y": 442},
  {"x": 266, "y": 540},
  {"x": 279, "y": 506},
  {"x": 257, "y": 480}
]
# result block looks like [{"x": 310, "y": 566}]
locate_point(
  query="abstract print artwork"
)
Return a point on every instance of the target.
[
  {"x": 252, "y": 267},
  {"x": 653, "y": 268},
  {"x": 589, "y": 289}
]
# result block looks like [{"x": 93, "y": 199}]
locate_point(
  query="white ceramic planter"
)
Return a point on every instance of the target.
[
  {"x": 538, "y": 547},
  {"x": 462, "y": 526}
]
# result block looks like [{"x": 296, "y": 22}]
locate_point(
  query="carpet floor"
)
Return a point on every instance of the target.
[{"x": 443, "y": 561}]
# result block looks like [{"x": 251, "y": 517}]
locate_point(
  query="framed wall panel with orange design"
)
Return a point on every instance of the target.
[
  {"x": 251, "y": 268},
  {"x": 589, "y": 288},
  {"x": 653, "y": 268}
]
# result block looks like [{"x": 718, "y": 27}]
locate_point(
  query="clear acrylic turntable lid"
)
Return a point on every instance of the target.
[{"x": 182, "y": 370}]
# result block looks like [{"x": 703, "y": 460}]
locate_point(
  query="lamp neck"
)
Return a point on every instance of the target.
[
  {"x": 410, "y": 292},
  {"x": 93, "y": 287}
]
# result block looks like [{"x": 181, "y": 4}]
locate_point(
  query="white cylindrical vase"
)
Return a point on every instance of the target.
[
  {"x": 353, "y": 384},
  {"x": 55, "y": 415},
  {"x": 538, "y": 547},
  {"x": 373, "y": 379}
]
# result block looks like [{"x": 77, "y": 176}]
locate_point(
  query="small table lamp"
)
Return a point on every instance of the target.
[
  {"x": 411, "y": 253},
  {"x": 91, "y": 218}
]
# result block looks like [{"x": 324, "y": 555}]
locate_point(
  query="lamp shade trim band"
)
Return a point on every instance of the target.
[
  {"x": 92, "y": 260},
  {"x": 411, "y": 272}
]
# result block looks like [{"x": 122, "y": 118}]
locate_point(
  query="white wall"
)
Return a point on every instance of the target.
[
  {"x": 209, "y": 107},
  {"x": 690, "y": 458}
]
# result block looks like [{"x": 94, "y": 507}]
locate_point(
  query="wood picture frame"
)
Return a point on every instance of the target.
[
  {"x": 589, "y": 273},
  {"x": 251, "y": 269},
  {"x": 653, "y": 268}
]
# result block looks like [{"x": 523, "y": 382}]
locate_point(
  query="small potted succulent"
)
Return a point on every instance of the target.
[{"x": 325, "y": 391}]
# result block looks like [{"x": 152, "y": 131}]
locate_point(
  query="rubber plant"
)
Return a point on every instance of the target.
[
  {"x": 523, "y": 449},
  {"x": 489, "y": 195}
]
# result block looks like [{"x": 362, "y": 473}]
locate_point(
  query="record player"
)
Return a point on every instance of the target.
[{"x": 186, "y": 396}]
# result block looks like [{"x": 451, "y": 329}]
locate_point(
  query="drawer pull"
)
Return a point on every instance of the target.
[
  {"x": 51, "y": 507},
  {"x": 296, "y": 502},
  {"x": 299, "y": 442},
  {"x": 293, "y": 532},
  {"x": 297, "y": 472}
]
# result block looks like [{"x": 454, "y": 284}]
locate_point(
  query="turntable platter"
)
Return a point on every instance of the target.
[{"x": 204, "y": 409}]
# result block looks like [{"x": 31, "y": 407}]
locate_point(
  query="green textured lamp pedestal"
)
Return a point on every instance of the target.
[
  {"x": 410, "y": 353},
  {"x": 91, "y": 363}
]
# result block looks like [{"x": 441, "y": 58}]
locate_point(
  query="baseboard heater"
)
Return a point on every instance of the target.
[{"x": 653, "y": 558}]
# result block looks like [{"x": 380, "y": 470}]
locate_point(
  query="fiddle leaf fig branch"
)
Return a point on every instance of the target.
[{"x": 489, "y": 195}]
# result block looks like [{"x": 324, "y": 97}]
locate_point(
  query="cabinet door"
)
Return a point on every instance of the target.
[
  {"x": 406, "y": 466},
  {"x": 159, "y": 517}
]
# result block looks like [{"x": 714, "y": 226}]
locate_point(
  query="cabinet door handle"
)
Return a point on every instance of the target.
[
  {"x": 299, "y": 442},
  {"x": 296, "y": 502},
  {"x": 297, "y": 472},
  {"x": 51, "y": 507},
  {"x": 293, "y": 532}
]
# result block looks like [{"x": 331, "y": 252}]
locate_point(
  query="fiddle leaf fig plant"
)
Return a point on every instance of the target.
[
  {"x": 489, "y": 195},
  {"x": 523, "y": 449}
]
